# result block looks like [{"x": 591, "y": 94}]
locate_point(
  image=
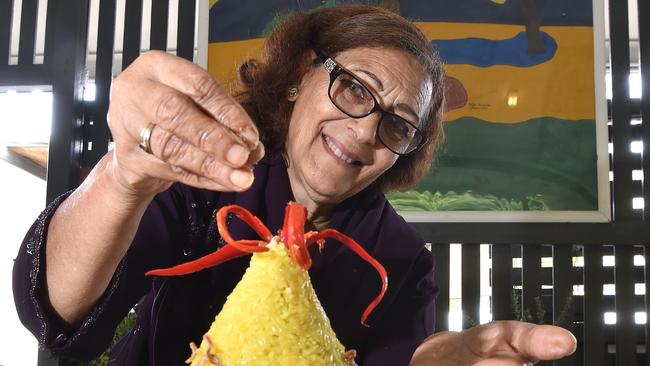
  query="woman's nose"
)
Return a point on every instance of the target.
[{"x": 365, "y": 128}]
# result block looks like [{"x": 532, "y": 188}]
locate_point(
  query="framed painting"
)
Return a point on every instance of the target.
[{"x": 526, "y": 115}]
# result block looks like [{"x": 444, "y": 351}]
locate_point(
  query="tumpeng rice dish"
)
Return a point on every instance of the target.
[{"x": 273, "y": 316}]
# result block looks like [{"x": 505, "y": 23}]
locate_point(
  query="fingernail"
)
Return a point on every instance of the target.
[
  {"x": 241, "y": 179},
  {"x": 262, "y": 150},
  {"x": 237, "y": 155},
  {"x": 250, "y": 136}
]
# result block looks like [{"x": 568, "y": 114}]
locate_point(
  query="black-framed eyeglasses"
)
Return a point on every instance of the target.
[{"x": 353, "y": 97}]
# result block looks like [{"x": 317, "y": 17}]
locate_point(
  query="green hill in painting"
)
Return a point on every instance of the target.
[{"x": 540, "y": 164}]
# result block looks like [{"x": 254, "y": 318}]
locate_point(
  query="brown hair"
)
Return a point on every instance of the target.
[{"x": 333, "y": 30}]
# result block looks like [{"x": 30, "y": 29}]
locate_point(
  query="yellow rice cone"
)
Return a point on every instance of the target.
[{"x": 272, "y": 317}]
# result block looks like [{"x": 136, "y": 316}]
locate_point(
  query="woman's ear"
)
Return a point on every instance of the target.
[{"x": 292, "y": 94}]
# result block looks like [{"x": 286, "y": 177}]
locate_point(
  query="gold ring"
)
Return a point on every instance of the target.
[{"x": 145, "y": 138}]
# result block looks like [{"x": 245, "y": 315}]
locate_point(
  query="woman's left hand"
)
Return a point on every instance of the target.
[{"x": 499, "y": 343}]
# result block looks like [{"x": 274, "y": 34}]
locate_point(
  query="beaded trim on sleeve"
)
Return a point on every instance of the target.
[{"x": 35, "y": 248}]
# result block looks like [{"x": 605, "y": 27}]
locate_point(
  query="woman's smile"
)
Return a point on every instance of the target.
[{"x": 340, "y": 153}]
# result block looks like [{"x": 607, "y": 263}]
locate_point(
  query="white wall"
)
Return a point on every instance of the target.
[{"x": 22, "y": 197}]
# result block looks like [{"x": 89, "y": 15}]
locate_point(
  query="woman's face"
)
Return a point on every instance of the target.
[{"x": 333, "y": 156}]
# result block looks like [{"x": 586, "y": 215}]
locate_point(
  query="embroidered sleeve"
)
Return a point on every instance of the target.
[{"x": 159, "y": 230}]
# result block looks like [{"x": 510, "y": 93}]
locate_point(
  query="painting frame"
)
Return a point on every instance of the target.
[{"x": 603, "y": 211}]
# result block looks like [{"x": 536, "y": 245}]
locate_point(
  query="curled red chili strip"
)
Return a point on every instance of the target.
[
  {"x": 232, "y": 249},
  {"x": 292, "y": 235},
  {"x": 350, "y": 243},
  {"x": 222, "y": 255},
  {"x": 245, "y": 215}
]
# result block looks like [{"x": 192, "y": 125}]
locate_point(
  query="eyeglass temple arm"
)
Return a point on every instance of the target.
[{"x": 320, "y": 56}]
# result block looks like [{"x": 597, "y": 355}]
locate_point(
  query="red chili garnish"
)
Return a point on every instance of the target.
[{"x": 292, "y": 235}]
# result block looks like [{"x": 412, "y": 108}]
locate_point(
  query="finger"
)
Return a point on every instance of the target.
[
  {"x": 156, "y": 168},
  {"x": 177, "y": 114},
  {"x": 256, "y": 155},
  {"x": 543, "y": 342},
  {"x": 178, "y": 174},
  {"x": 161, "y": 170},
  {"x": 529, "y": 341},
  {"x": 185, "y": 159},
  {"x": 205, "y": 91}
]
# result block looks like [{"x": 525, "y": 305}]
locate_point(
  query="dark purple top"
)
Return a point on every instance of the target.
[{"x": 173, "y": 311}]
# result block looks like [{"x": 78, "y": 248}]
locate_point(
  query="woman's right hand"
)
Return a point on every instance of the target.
[{"x": 202, "y": 136}]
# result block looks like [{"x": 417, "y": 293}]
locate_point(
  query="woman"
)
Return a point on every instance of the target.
[{"x": 347, "y": 102}]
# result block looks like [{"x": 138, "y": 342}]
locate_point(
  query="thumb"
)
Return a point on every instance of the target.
[{"x": 541, "y": 342}]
